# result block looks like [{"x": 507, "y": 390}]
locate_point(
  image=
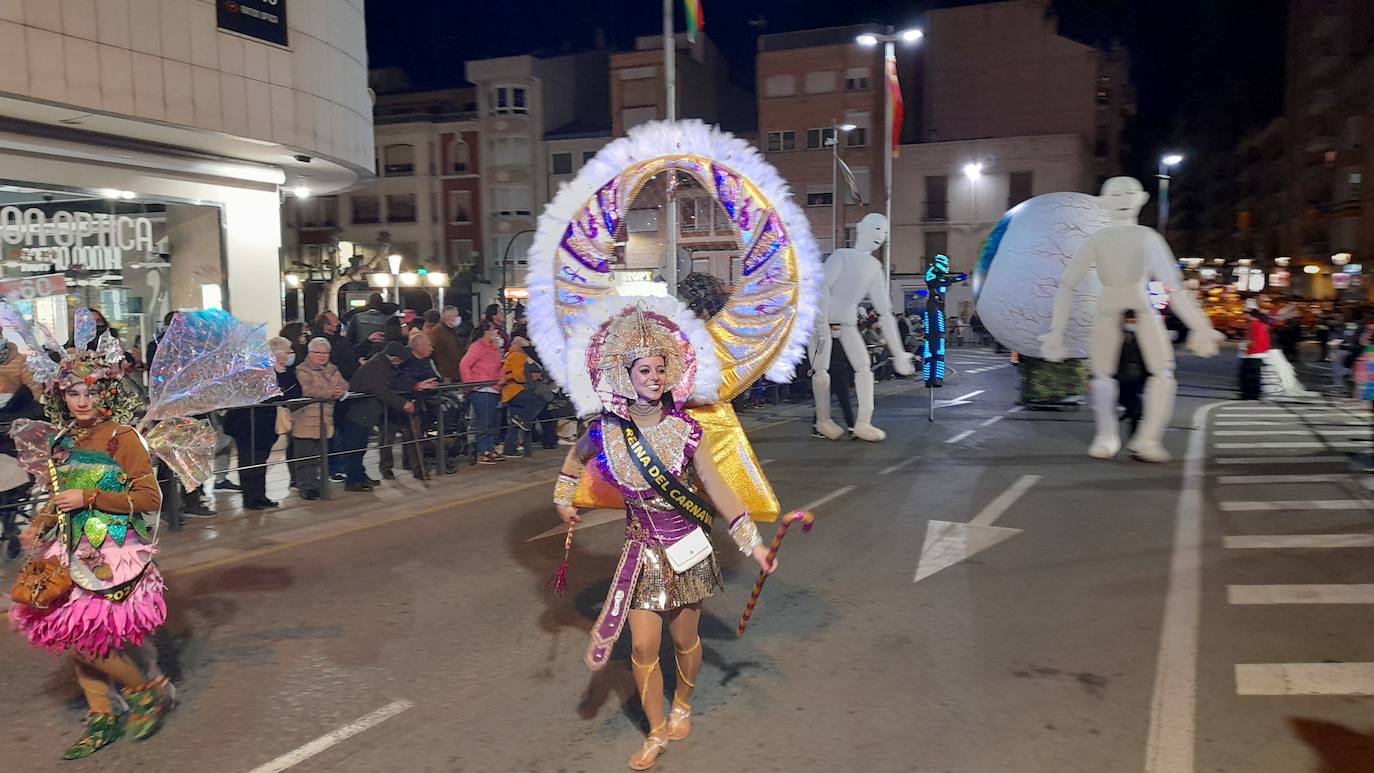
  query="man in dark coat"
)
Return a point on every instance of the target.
[{"x": 376, "y": 378}]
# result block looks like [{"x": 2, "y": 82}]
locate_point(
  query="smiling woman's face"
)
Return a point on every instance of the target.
[{"x": 647, "y": 375}]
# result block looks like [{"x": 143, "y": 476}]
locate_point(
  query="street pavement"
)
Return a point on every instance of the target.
[{"x": 1071, "y": 614}]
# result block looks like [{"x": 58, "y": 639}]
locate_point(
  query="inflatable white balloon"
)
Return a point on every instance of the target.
[{"x": 1020, "y": 266}]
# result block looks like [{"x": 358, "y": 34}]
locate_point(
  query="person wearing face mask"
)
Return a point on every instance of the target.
[
  {"x": 1131, "y": 373},
  {"x": 312, "y": 426},
  {"x": 254, "y": 428},
  {"x": 482, "y": 362},
  {"x": 448, "y": 353}
]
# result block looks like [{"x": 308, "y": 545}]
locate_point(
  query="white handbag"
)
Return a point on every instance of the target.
[{"x": 688, "y": 551}]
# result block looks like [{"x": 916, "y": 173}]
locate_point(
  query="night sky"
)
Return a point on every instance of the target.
[{"x": 1205, "y": 70}]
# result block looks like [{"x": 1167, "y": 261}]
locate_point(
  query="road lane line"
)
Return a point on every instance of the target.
[
  {"x": 1305, "y": 432},
  {"x": 1247, "y": 460},
  {"x": 1016, "y": 409},
  {"x": 992, "y": 421},
  {"x": 899, "y": 465},
  {"x": 1293, "y": 504},
  {"x": 1301, "y": 541},
  {"x": 779, "y": 422},
  {"x": 1297, "y": 445},
  {"x": 1300, "y": 594},
  {"x": 1005, "y": 500},
  {"x": 836, "y": 494},
  {"x": 960, "y": 436},
  {"x": 1173, "y": 708},
  {"x": 1305, "y": 679},
  {"x": 1296, "y": 422},
  {"x": 291, "y": 759},
  {"x": 1251, "y": 480}
]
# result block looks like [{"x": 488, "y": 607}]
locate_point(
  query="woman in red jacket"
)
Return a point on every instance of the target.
[{"x": 482, "y": 362}]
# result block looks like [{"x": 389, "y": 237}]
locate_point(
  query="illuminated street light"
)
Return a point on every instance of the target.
[
  {"x": 1311, "y": 269},
  {"x": 1165, "y": 161},
  {"x": 1172, "y": 159},
  {"x": 973, "y": 170}
]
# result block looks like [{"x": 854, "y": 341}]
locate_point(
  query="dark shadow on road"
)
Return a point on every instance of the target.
[{"x": 1339, "y": 748}]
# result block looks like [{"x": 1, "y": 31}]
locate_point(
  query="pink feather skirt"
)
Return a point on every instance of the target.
[{"x": 90, "y": 623}]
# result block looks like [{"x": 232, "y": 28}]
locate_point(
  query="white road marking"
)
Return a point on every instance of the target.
[
  {"x": 766, "y": 462},
  {"x": 1173, "y": 709},
  {"x": 1295, "y": 422},
  {"x": 899, "y": 465},
  {"x": 1307, "y": 432},
  {"x": 589, "y": 519},
  {"x": 1301, "y": 541},
  {"x": 836, "y": 494},
  {"x": 1252, "y": 480},
  {"x": 992, "y": 421},
  {"x": 960, "y": 436},
  {"x": 1296, "y": 445},
  {"x": 947, "y": 543},
  {"x": 318, "y": 745},
  {"x": 1300, "y": 594},
  {"x": 757, "y": 427},
  {"x": 1248, "y": 460},
  {"x": 1016, "y": 409},
  {"x": 1005, "y": 500},
  {"x": 1305, "y": 679},
  {"x": 1293, "y": 504}
]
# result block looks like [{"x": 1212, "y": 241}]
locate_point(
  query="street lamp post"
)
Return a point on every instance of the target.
[
  {"x": 835, "y": 130},
  {"x": 889, "y": 40},
  {"x": 973, "y": 171},
  {"x": 394, "y": 262},
  {"x": 505, "y": 263},
  {"x": 1166, "y": 161}
]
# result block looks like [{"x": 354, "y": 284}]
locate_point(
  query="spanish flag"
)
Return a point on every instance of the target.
[
  {"x": 695, "y": 21},
  {"x": 894, "y": 90}
]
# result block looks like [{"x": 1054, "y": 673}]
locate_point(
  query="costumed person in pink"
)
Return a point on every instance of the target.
[
  {"x": 629, "y": 368},
  {"x": 99, "y": 524}
]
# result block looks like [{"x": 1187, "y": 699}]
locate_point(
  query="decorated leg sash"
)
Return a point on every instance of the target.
[{"x": 617, "y": 607}]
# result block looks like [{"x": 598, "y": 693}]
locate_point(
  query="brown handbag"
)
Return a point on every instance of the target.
[{"x": 42, "y": 582}]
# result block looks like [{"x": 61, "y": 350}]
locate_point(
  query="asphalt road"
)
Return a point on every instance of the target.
[{"x": 429, "y": 643}]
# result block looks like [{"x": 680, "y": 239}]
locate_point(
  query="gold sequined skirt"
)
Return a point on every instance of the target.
[{"x": 660, "y": 589}]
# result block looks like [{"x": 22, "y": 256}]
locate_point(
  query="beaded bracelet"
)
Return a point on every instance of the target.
[{"x": 564, "y": 490}]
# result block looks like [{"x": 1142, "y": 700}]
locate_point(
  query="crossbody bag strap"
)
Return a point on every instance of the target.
[{"x": 657, "y": 475}]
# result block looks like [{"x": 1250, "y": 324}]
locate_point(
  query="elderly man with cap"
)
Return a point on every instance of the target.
[{"x": 376, "y": 379}]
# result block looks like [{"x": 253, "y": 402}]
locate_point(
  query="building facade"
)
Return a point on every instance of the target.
[
  {"x": 520, "y": 99},
  {"x": 145, "y": 146},
  {"x": 808, "y": 83}
]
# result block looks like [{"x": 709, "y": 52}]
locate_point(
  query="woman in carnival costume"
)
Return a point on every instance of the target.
[
  {"x": 636, "y": 360},
  {"x": 100, "y": 523}
]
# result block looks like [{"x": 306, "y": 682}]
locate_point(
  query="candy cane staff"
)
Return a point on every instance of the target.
[{"x": 638, "y": 356}]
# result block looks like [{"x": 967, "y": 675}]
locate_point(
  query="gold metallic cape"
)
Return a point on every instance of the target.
[{"x": 724, "y": 439}]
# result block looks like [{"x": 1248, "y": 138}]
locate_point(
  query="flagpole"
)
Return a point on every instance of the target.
[
  {"x": 834, "y": 186},
  {"x": 889, "y": 65},
  {"x": 670, "y": 95}
]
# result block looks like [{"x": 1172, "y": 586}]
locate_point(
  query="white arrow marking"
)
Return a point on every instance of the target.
[
  {"x": 947, "y": 543},
  {"x": 961, "y": 400}
]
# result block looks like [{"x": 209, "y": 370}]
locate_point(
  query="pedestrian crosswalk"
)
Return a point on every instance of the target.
[{"x": 1287, "y": 519}]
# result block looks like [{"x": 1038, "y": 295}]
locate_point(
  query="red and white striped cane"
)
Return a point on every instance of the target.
[{"x": 807, "y": 520}]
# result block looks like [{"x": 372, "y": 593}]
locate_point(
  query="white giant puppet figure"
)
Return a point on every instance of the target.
[
  {"x": 1126, "y": 256},
  {"x": 851, "y": 274}
]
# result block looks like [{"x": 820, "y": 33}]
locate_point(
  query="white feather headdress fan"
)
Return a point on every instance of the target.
[
  {"x": 643, "y": 143},
  {"x": 591, "y": 391}
]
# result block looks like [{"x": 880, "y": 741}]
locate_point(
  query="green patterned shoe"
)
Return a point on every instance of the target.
[
  {"x": 147, "y": 708},
  {"x": 101, "y": 730}
]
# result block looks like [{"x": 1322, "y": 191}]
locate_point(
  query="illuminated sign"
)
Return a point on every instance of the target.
[
  {"x": 261, "y": 19},
  {"x": 81, "y": 240},
  {"x": 634, "y": 276},
  {"x": 516, "y": 293}
]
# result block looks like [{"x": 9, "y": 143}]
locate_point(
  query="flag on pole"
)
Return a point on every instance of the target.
[
  {"x": 850, "y": 182},
  {"x": 695, "y": 21},
  {"x": 894, "y": 93}
]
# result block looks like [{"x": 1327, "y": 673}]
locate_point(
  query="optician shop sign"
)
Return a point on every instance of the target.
[
  {"x": 62, "y": 239},
  {"x": 261, "y": 19}
]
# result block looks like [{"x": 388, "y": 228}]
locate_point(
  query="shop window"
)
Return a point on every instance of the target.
[
  {"x": 509, "y": 100},
  {"x": 818, "y": 139},
  {"x": 366, "y": 209},
  {"x": 400, "y": 208},
  {"x": 856, "y": 79},
  {"x": 779, "y": 142},
  {"x": 1019, "y": 187},
  {"x": 460, "y": 206},
  {"x": 399, "y": 160},
  {"x": 780, "y": 86},
  {"x": 560, "y": 163}
]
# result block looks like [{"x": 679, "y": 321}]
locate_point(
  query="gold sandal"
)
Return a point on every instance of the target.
[
  {"x": 680, "y": 718},
  {"x": 655, "y": 744}
]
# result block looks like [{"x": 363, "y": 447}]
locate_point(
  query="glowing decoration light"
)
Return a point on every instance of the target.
[
  {"x": 1311, "y": 269},
  {"x": 938, "y": 279}
]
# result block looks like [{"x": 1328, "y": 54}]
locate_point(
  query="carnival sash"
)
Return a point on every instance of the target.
[{"x": 656, "y": 473}]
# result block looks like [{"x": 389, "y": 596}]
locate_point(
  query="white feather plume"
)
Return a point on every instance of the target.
[
  {"x": 644, "y": 142},
  {"x": 708, "y": 367}
]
